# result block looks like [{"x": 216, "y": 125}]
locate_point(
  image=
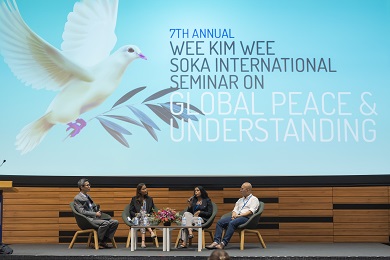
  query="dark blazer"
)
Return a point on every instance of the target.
[
  {"x": 135, "y": 206},
  {"x": 206, "y": 209},
  {"x": 81, "y": 204}
]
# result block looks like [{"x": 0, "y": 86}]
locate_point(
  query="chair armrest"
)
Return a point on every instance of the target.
[
  {"x": 181, "y": 213},
  {"x": 124, "y": 217},
  {"x": 105, "y": 216},
  {"x": 229, "y": 214}
]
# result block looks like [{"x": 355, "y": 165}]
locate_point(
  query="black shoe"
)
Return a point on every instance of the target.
[{"x": 104, "y": 245}]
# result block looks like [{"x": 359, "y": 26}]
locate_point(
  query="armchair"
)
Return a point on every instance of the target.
[
  {"x": 250, "y": 226},
  {"x": 87, "y": 227},
  {"x": 125, "y": 215},
  {"x": 205, "y": 227}
]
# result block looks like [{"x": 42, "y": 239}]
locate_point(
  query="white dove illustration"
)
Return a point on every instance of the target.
[{"x": 83, "y": 71}]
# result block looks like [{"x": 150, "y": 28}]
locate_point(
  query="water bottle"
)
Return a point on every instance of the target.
[
  {"x": 146, "y": 221},
  {"x": 183, "y": 221},
  {"x": 199, "y": 223}
]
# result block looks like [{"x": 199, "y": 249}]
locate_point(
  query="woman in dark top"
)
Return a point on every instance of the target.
[
  {"x": 140, "y": 205},
  {"x": 199, "y": 205}
]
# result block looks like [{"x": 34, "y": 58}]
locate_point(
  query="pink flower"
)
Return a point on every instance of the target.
[{"x": 166, "y": 215}]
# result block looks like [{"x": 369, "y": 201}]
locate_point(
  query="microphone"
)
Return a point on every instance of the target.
[
  {"x": 3, "y": 163},
  {"x": 191, "y": 198}
]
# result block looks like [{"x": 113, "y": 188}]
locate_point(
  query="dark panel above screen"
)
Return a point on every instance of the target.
[{"x": 213, "y": 183}]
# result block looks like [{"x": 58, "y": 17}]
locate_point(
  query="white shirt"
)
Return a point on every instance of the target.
[{"x": 243, "y": 205}]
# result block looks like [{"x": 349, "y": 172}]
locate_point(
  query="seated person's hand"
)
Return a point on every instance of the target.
[{"x": 98, "y": 214}]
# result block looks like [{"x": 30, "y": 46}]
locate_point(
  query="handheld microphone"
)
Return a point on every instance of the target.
[
  {"x": 191, "y": 198},
  {"x": 3, "y": 163}
]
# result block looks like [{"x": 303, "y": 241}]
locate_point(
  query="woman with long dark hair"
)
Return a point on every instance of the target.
[
  {"x": 141, "y": 205},
  {"x": 199, "y": 205}
]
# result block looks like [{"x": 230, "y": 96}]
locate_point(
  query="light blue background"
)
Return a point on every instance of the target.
[{"x": 354, "y": 34}]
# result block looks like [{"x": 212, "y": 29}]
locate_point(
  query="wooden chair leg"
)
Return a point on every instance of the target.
[
  {"x": 95, "y": 239},
  {"x": 113, "y": 243},
  {"x": 73, "y": 240},
  {"x": 177, "y": 240},
  {"x": 90, "y": 233},
  {"x": 128, "y": 239},
  {"x": 258, "y": 236},
  {"x": 203, "y": 239},
  {"x": 89, "y": 239},
  {"x": 211, "y": 233},
  {"x": 156, "y": 239},
  {"x": 156, "y": 242},
  {"x": 261, "y": 239},
  {"x": 242, "y": 239}
]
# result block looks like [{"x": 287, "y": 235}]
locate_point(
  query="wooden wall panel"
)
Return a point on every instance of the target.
[
  {"x": 361, "y": 191},
  {"x": 361, "y": 239},
  {"x": 24, "y": 207},
  {"x": 369, "y": 218},
  {"x": 296, "y": 214},
  {"x": 359, "y": 200},
  {"x": 309, "y": 239},
  {"x": 305, "y": 214},
  {"x": 361, "y": 214}
]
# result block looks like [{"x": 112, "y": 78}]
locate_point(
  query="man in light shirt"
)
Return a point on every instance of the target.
[{"x": 244, "y": 208}]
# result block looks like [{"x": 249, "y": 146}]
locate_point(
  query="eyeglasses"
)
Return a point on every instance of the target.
[{"x": 88, "y": 185}]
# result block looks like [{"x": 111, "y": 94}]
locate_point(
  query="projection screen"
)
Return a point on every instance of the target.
[{"x": 195, "y": 88}]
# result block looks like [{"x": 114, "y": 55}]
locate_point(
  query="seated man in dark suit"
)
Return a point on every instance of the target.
[{"x": 85, "y": 205}]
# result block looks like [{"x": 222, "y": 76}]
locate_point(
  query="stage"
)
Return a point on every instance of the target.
[{"x": 252, "y": 251}]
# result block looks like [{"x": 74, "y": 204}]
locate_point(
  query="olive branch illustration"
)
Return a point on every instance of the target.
[{"x": 162, "y": 110}]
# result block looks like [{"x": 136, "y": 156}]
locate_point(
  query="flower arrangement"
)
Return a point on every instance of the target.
[{"x": 167, "y": 215}]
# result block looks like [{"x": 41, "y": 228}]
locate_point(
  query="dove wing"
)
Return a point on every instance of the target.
[
  {"x": 33, "y": 61},
  {"x": 89, "y": 34}
]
